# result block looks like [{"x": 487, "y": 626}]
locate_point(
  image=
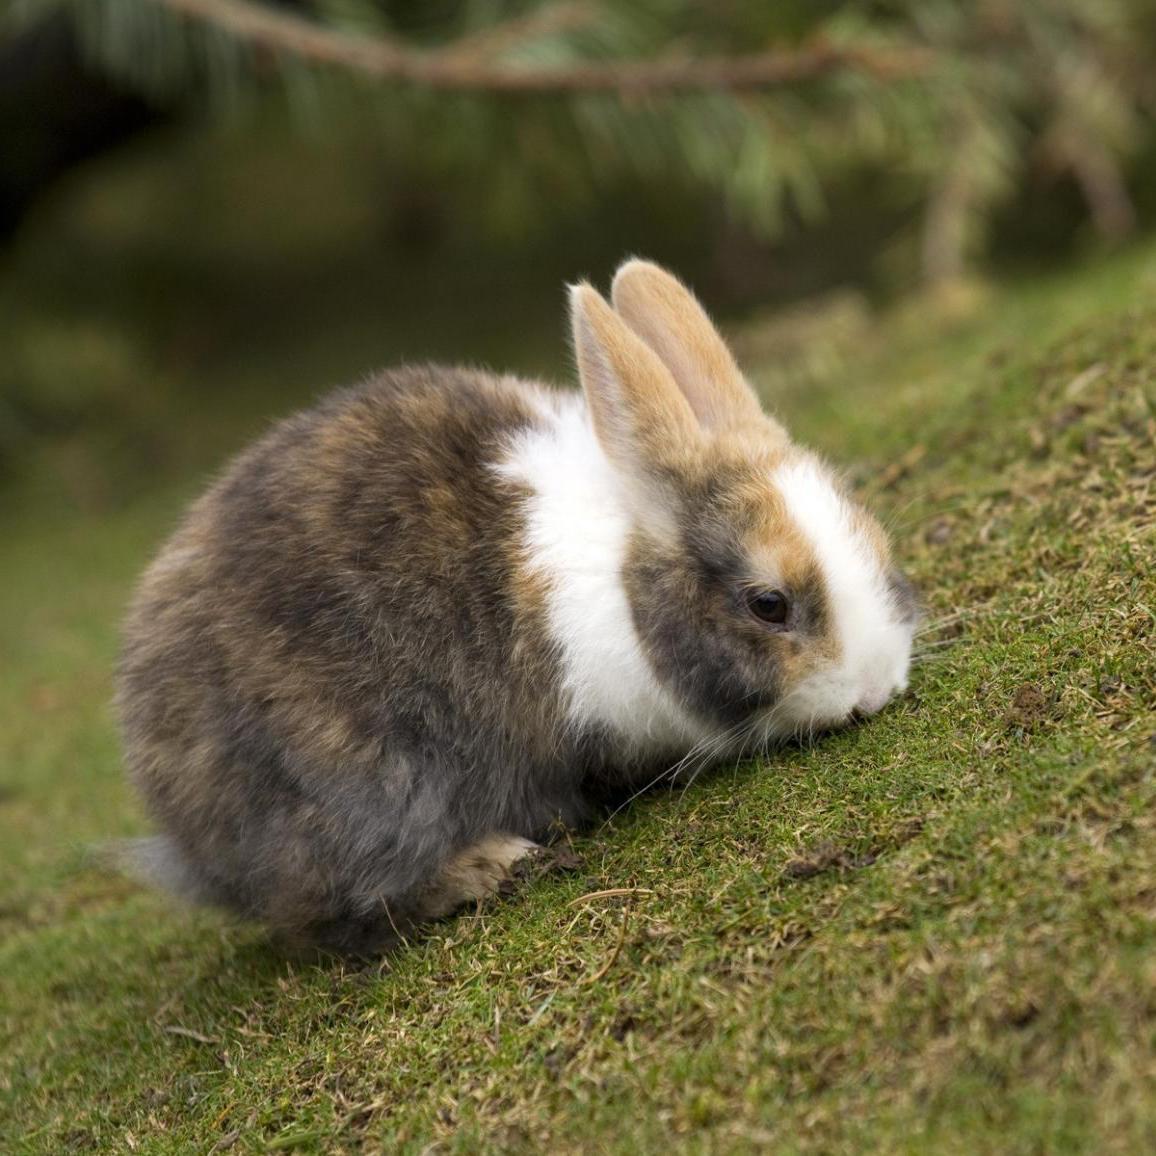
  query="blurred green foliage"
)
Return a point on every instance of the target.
[
  {"x": 940, "y": 136},
  {"x": 958, "y": 103}
]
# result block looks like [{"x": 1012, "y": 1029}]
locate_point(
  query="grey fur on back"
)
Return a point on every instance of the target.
[{"x": 336, "y": 674}]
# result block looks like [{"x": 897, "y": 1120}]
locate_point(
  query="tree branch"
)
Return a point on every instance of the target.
[
  {"x": 266, "y": 31},
  {"x": 491, "y": 41}
]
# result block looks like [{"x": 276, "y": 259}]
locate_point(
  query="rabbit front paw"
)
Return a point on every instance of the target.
[{"x": 485, "y": 868}]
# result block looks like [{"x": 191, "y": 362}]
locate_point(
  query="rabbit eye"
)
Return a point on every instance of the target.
[{"x": 769, "y": 606}]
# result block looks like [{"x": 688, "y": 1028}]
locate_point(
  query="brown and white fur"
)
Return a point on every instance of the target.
[{"x": 412, "y": 630}]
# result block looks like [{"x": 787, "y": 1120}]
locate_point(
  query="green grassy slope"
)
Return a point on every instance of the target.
[{"x": 933, "y": 933}]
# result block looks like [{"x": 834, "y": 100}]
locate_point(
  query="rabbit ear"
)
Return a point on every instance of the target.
[
  {"x": 666, "y": 315},
  {"x": 642, "y": 420}
]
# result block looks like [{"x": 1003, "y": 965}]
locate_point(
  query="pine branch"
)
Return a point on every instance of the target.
[
  {"x": 492, "y": 41},
  {"x": 268, "y": 32}
]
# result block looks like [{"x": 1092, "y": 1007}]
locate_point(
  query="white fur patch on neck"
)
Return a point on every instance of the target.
[
  {"x": 577, "y": 530},
  {"x": 875, "y": 646}
]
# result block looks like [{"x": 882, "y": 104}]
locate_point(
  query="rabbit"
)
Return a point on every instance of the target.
[{"x": 415, "y": 629}]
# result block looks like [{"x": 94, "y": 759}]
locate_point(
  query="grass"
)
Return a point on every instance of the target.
[{"x": 933, "y": 933}]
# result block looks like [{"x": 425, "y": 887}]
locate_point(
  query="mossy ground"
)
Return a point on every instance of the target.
[{"x": 936, "y": 932}]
